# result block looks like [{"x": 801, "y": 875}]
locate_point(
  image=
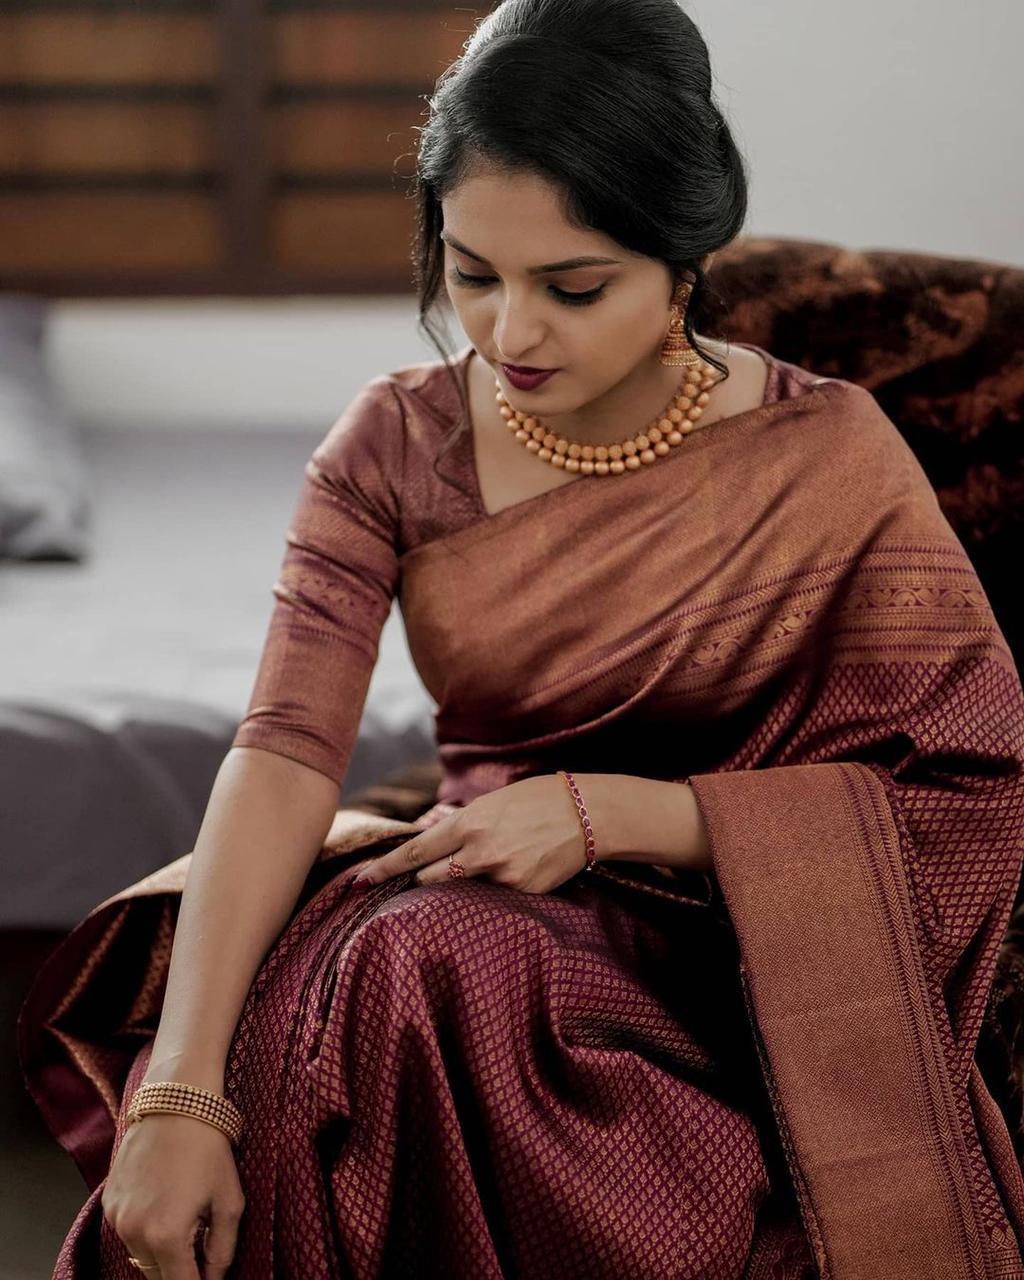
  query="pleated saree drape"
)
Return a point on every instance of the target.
[{"x": 625, "y": 1077}]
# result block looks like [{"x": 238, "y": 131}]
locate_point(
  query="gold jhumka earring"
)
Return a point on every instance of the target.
[{"x": 676, "y": 350}]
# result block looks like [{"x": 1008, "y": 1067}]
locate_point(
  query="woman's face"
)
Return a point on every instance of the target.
[{"x": 600, "y": 324}]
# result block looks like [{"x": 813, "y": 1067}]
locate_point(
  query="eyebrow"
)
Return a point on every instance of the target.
[{"x": 570, "y": 264}]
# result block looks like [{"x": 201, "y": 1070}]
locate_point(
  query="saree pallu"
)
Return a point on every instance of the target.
[{"x": 628, "y": 1076}]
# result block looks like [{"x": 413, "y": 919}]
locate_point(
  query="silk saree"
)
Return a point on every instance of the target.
[{"x": 767, "y": 1071}]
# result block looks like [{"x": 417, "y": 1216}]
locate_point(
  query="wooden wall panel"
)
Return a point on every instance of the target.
[
  {"x": 79, "y": 138},
  {"x": 362, "y": 47},
  {"x": 362, "y": 235},
  {"x": 349, "y": 135},
  {"x": 239, "y": 147},
  {"x": 107, "y": 48},
  {"x": 103, "y": 231}
]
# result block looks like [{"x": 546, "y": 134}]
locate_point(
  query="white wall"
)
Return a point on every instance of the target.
[
  {"x": 197, "y": 362},
  {"x": 881, "y": 124}
]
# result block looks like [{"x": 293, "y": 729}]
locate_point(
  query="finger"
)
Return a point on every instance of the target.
[
  {"x": 176, "y": 1258},
  {"x": 436, "y": 842},
  {"x": 150, "y": 1268},
  {"x": 142, "y": 1252},
  {"x": 220, "y": 1240},
  {"x": 440, "y": 870}
]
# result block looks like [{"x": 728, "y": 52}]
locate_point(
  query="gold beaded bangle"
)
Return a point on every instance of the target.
[
  {"x": 189, "y": 1100},
  {"x": 588, "y": 830}
]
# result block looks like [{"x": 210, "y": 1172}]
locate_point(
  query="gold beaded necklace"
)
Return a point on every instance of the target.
[{"x": 668, "y": 429}]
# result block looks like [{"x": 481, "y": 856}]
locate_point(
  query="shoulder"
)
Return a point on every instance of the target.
[
  {"x": 850, "y": 427},
  {"x": 862, "y": 456},
  {"x": 429, "y": 392},
  {"x": 392, "y": 420},
  {"x": 371, "y": 411},
  {"x": 362, "y": 454},
  {"x": 870, "y": 440}
]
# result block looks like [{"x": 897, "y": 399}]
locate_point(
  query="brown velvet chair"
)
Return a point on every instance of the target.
[{"x": 938, "y": 342}]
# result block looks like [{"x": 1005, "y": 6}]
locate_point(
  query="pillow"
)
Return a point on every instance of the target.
[{"x": 44, "y": 508}]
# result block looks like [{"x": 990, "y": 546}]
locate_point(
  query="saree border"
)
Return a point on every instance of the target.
[{"x": 881, "y": 1172}]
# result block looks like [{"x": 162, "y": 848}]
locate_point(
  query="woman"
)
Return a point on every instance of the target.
[{"x": 682, "y": 973}]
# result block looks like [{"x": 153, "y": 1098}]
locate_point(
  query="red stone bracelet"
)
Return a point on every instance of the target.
[{"x": 588, "y": 830}]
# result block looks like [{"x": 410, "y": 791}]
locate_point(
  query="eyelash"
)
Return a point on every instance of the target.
[{"x": 570, "y": 299}]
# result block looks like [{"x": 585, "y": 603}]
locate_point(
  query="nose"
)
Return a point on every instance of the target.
[{"x": 517, "y": 330}]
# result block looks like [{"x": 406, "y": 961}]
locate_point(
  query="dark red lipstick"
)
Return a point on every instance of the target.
[{"x": 524, "y": 379}]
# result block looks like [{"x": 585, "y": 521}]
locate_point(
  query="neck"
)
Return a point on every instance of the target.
[{"x": 623, "y": 410}]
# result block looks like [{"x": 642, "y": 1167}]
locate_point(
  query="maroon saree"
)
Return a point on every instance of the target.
[{"x": 631, "y": 1075}]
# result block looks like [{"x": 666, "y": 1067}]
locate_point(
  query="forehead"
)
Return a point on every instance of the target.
[
  {"x": 486, "y": 183},
  {"x": 519, "y": 217}
]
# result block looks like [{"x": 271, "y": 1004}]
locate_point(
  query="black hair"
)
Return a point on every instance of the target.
[{"x": 612, "y": 101}]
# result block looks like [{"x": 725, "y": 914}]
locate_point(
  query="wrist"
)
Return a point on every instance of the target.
[
  {"x": 595, "y": 795},
  {"x": 646, "y": 820},
  {"x": 181, "y": 1069}
]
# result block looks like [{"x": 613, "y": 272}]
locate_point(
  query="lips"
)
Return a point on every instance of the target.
[{"x": 526, "y": 381}]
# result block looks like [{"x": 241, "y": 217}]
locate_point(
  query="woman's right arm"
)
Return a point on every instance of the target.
[{"x": 264, "y": 825}]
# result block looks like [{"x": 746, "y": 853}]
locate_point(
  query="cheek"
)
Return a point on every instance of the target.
[
  {"x": 472, "y": 312},
  {"x": 614, "y": 334},
  {"x": 642, "y": 314}
]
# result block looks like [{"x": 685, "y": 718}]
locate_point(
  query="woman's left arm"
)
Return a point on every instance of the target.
[{"x": 645, "y": 820}]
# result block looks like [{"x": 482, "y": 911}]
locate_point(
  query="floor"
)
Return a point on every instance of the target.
[{"x": 41, "y": 1190}]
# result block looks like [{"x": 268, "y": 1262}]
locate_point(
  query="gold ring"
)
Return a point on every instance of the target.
[{"x": 144, "y": 1266}]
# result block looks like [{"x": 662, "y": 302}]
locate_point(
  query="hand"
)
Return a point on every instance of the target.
[
  {"x": 527, "y": 835},
  {"x": 170, "y": 1173}
]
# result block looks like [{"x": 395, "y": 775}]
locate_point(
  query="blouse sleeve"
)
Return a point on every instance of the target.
[{"x": 333, "y": 592}]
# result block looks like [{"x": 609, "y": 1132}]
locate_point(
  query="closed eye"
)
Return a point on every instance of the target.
[{"x": 563, "y": 295}]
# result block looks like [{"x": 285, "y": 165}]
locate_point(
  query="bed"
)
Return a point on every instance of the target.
[{"x": 123, "y": 675}]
